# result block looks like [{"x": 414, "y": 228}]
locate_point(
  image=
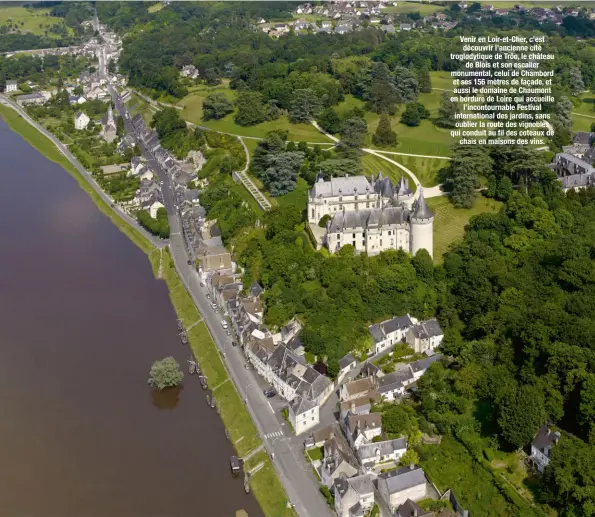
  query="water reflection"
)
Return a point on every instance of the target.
[{"x": 167, "y": 398}]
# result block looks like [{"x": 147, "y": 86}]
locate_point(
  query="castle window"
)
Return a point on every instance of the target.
[
  {"x": 312, "y": 212},
  {"x": 367, "y": 205},
  {"x": 356, "y": 198},
  {"x": 368, "y": 196},
  {"x": 380, "y": 242},
  {"x": 356, "y": 206},
  {"x": 340, "y": 207},
  {"x": 340, "y": 198}
]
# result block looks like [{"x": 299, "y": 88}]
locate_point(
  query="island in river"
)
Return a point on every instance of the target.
[{"x": 82, "y": 318}]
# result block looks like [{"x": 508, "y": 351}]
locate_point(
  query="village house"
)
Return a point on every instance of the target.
[
  {"x": 32, "y": 98},
  {"x": 346, "y": 364},
  {"x": 427, "y": 335},
  {"x": 81, "y": 121},
  {"x": 411, "y": 509},
  {"x": 541, "y": 447},
  {"x": 372, "y": 454},
  {"x": 405, "y": 26},
  {"x": 189, "y": 71},
  {"x": 356, "y": 389},
  {"x": 354, "y": 496},
  {"x": 386, "y": 333},
  {"x": 337, "y": 460},
  {"x": 573, "y": 173},
  {"x": 359, "y": 406},
  {"x": 320, "y": 436},
  {"x": 362, "y": 429},
  {"x": 397, "y": 486},
  {"x": 212, "y": 260},
  {"x": 392, "y": 385},
  {"x": 303, "y": 414},
  {"x": 418, "y": 368},
  {"x": 76, "y": 99},
  {"x": 11, "y": 86}
]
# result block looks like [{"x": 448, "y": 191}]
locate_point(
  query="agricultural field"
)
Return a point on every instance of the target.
[
  {"x": 35, "y": 21},
  {"x": 414, "y": 7},
  {"x": 450, "y": 222}
]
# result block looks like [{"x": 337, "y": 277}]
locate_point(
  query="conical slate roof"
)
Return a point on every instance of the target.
[{"x": 421, "y": 209}]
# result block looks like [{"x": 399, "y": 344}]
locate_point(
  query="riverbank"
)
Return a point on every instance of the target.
[
  {"x": 46, "y": 147},
  {"x": 265, "y": 484}
]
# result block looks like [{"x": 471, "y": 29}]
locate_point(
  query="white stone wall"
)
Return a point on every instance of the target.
[
  {"x": 415, "y": 493},
  {"x": 319, "y": 207},
  {"x": 422, "y": 236},
  {"x": 304, "y": 421}
]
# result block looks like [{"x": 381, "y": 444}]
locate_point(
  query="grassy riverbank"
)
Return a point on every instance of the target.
[
  {"x": 46, "y": 147},
  {"x": 266, "y": 486}
]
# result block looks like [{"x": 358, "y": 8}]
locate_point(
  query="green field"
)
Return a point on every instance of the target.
[
  {"x": 413, "y": 7},
  {"x": 374, "y": 164},
  {"x": 29, "y": 20},
  {"x": 193, "y": 112},
  {"x": 138, "y": 105},
  {"x": 449, "y": 222},
  {"x": 442, "y": 80},
  {"x": 423, "y": 139},
  {"x": 583, "y": 115},
  {"x": 424, "y": 168}
]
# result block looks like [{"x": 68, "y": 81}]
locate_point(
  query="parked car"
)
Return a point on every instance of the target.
[
  {"x": 269, "y": 393},
  {"x": 223, "y": 323},
  {"x": 214, "y": 306}
]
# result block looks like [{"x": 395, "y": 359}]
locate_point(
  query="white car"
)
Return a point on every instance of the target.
[{"x": 161, "y": 183}]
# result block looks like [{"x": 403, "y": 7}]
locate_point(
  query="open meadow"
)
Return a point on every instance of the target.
[{"x": 35, "y": 21}]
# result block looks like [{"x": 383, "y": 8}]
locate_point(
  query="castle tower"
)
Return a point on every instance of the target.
[{"x": 422, "y": 226}]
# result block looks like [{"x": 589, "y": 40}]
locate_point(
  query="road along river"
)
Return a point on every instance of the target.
[{"x": 81, "y": 320}]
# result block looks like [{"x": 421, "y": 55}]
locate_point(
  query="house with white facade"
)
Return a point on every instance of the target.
[
  {"x": 354, "y": 496},
  {"x": 362, "y": 429},
  {"x": 418, "y": 368},
  {"x": 346, "y": 364},
  {"x": 291, "y": 377},
  {"x": 372, "y": 454},
  {"x": 392, "y": 385},
  {"x": 427, "y": 335},
  {"x": 11, "y": 86},
  {"x": 387, "y": 333},
  {"x": 397, "y": 486},
  {"x": 81, "y": 121},
  {"x": 541, "y": 447}
]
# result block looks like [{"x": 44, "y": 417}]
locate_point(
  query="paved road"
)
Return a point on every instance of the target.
[
  {"x": 64, "y": 150},
  {"x": 292, "y": 469}
]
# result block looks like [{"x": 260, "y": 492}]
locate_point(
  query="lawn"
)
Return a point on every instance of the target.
[
  {"x": 193, "y": 112},
  {"x": 29, "y": 20},
  {"x": 587, "y": 110},
  {"x": 156, "y": 7},
  {"x": 449, "y": 465},
  {"x": 374, "y": 164},
  {"x": 423, "y": 139},
  {"x": 298, "y": 197},
  {"x": 424, "y": 168},
  {"x": 413, "y": 7},
  {"x": 138, "y": 105},
  {"x": 442, "y": 80},
  {"x": 449, "y": 222},
  {"x": 46, "y": 147}
]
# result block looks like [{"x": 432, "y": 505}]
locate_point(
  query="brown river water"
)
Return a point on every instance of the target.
[{"x": 81, "y": 320}]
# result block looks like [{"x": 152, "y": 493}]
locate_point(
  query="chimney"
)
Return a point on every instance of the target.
[
  {"x": 352, "y": 406},
  {"x": 415, "y": 512},
  {"x": 331, "y": 435}
]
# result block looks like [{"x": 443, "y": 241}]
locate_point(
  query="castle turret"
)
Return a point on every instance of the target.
[{"x": 422, "y": 226}]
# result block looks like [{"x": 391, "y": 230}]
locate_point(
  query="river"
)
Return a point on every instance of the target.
[{"x": 81, "y": 320}]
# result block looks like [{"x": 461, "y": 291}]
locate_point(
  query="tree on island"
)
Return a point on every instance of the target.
[
  {"x": 165, "y": 374},
  {"x": 384, "y": 135}
]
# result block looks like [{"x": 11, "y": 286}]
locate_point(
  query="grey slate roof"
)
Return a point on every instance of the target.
[
  {"x": 583, "y": 137},
  {"x": 410, "y": 509},
  {"x": 545, "y": 437},
  {"x": 401, "y": 479},
  {"x": 427, "y": 329},
  {"x": 424, "y": 364},
  {"x": 375, "y": 217},
  {"x": 345, "y": 361},
  {"x": 380, "y": 330},
  {"x": 300, "y": 405},
  {"x": 256, "y": 289},
  {"x": 421, "y": 210},
  {"x": 346, "y": 186},
  {"x": 361, "y": 484},
  {"x": 367, "y": 451}
]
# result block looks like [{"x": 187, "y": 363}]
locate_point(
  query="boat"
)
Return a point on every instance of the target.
[
  {"x": 203, "y": 382},
  {"x": 191, "y": 367},
  {"x": 208, "y": 399},
  {"x": 184, "y": 338},
  {"x": 227, "y": 435},
  {"x": 247, "y": 482},
  {"x": 213, "y": 402},
  {"x": 235, "y": 465},
  {"x": 180, "y": 326}
]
